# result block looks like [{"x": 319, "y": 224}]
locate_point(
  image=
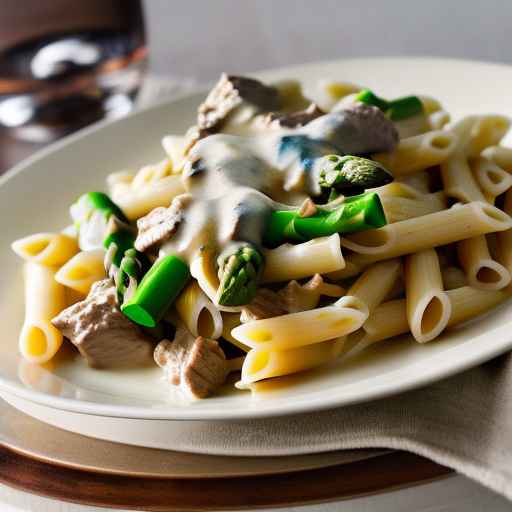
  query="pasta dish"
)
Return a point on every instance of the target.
[{"x": 279, "y": 234}]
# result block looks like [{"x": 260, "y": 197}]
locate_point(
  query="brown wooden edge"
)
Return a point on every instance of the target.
[{"x": 382, "y": 473}]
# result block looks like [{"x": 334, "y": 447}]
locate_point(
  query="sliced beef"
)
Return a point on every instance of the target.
[
  {"x": 293, "y": 119},
  {"x": 160, "y": 224},
  {"x": 102, "y": 334},
  {"x": 356, "y": 130},
  {"x": 297, "y": 297},
  {"x": 197, "y": 365},
  {"x": 231, "y": 92},
  {"x": 265, "y": 304}
]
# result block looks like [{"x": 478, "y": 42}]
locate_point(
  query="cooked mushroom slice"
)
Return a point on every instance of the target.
[
  {"x": 197, "y": 365},
  {"x": 231, "y": 92},
  {"x": 160, "y": 224},
  {"x": 102, "y": 334}
]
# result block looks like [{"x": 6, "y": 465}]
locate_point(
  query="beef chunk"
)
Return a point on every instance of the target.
[
  {"x": 102, "y": 334},
  {"x": 231, "y": 92},
  {"x": 160, "y": 224},
  {"x": 293, "y": 119},
  {"x": 265, "y": 304},
  {"x": 297, "y": 297},
  {"x": 197, "y": 365}
]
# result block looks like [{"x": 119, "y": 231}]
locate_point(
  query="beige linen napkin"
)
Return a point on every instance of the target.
[{"x": 464, "y": 422}]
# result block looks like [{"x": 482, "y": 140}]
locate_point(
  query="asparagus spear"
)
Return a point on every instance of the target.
[
  {"x": 351, "y": 175},
  {"x": 356, "y": 213},
  {"x": 157, "y": 291},
  {"x": 401, "y": 108},
  {"x": 240, "y": 267},
  {"x": 91, "y": 213}
]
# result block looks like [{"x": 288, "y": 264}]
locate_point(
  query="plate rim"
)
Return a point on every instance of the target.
[{"x": 171, "y": 412}]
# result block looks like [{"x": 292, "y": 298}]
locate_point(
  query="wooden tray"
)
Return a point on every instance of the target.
[{"x": 44, "y": 460}]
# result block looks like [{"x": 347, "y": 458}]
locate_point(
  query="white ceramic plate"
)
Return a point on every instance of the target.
[{"x": 36, "y": 195}]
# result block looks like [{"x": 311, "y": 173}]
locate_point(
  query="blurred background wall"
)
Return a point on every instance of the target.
[{"x": 199, "y": 38}]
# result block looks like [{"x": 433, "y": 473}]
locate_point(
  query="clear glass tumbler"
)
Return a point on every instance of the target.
[{"x": 65, "y": 64}]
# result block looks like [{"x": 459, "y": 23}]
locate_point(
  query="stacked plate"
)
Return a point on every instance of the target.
[{"x": 136, "y": 407}]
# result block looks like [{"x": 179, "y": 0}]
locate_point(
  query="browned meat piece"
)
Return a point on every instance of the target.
[
  {"x": 293, "y": 119},
  {"x": 266, "y": 304},
  {"x": 197, "y": 365},
  {"x": 296, "y": 297},
  {"x": 102, "y": 334},
  {"x": 160, "y": 224},
  {"x": 229, "y": 93}
]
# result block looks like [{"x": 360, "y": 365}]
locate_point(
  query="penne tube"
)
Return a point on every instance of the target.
[
  {"x": 318, "y": 256},
  {"x": 468, "y": 302},
  {"x": 350, "y": 270},
  {"x": 229, "y": 322},
  {"x": 412, "y": 126},
  {"x": 375, "y": 283},
  {"x": 419, "y": 181},
  {"x": 420, "y": 152},
  {"x": 50, "y": 249},
  {"x": 198, "y": 312},
  {"x": 151, "y": 173},
  {"x": 174, "y": 146},
  {"x": 438, "y": 120},
  {"x": 328, "y": 93},
  {"x": 413, "y": 235},
  {"x": 458, "y": 180},
  {"x": 427, "y": 304},
  {"x": 262, "y": 364},
  {"x": 115, "y": 178},
  {"x": 453, "y": 277},
  {"x": 397, "y": 208},
  {"x": 138, "y": 202},
  {"x": 305, "y": 328},
  {"x": 504, "y": 238},
  {"x": 481, "y": 269},
  {"x": 479, "y": 132},
  {"x": 430, "y": 104},
  {"x": 82, "y": 270},
  {"x": 404, "y": 190},
  {"x": 500, "y": 155},
  {"x": 390, "y": 318},
  {"x": 491, "y": 178},
  {"x": 44, "y": 299}
]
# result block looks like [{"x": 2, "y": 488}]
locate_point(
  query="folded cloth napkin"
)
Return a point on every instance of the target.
[{"x": 463, "y": 422}]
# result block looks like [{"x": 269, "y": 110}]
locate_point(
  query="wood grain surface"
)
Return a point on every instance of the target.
[{"x": 156, "y": 494}]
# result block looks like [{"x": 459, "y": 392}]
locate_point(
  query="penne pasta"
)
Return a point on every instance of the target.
[
  {"x": 414, "y": 235},
  {"x": 481, "y": 269},
  {"x": 121, "y": 177},
  {"x": 328, "y": 93},
  {"x": 82, "y": 270},
  {"x": 458, "y": 180},
  {"x": 50, "y": 249},
  {"x": 305, "y": 328},
  {"x": 318, "y": 256},
  {"x": 479, "y": 132},
  {"x": 491, "y": 178},
  {"x": 44, "y": 299},
  {"x": 400, "y": 208},
  {"x": 138, "y": 202},
  {"x": 420, "y": 152},
  {"x": 175, "y": 146},
  {"x": 504, "y": 238},
  {"x": 151, "y": 173},
  {"x": 198, "y": 312},
  {"x": 229, "y": 322},
  {"x": 500, "y": 155},
  {"x": 375, "y": 283},
  {"x": 427, "y": 304},
  {"x": 438, "y": 120},
  {"x": 262, "y": 364}
]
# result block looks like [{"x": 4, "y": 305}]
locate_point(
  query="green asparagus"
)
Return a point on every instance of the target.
[
  {"x": 348, "y": 174},
  {"x": 401, "y": 108},
  {"x": 157, "y": 290},
  {"x": 356, "y": 213},
  {"x": 240, "y": 268}
]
